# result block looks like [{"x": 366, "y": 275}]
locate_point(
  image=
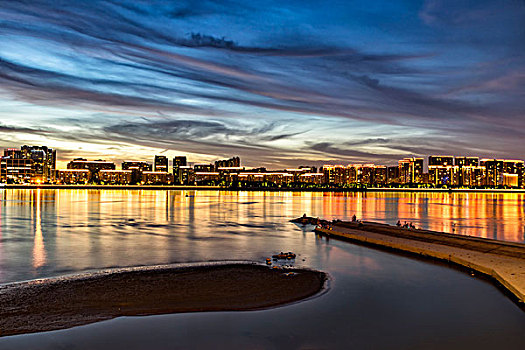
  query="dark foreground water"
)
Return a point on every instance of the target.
[{"x": 377, "y": 300}]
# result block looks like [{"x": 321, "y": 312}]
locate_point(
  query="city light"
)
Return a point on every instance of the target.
[{"x": 37, "y": 165}]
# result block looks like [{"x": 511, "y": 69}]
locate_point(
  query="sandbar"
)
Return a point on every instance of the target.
[{"x": 58, "y": 303}]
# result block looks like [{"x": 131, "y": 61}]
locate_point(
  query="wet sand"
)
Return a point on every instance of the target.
[{"x": 58, "y": 303}]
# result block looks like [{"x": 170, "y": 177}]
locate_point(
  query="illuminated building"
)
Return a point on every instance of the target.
[
  {"x": 393, "y": 174},
  {"x": 442, "y": 175},
  {"x": 466, "y": 161},
  {"x": 251, "y": 177},
  {"x": 207, "y": 178},
  {"x": 141, "y": 166},
  {"x": 160, "y": 164},
  {"x": 279, "y": 178},
  {"x": 228, "y": 163},
  {"x": 43, "y": 163},
  {"x": 441, "y": 171},
  {"x": 36, "y": 164},
  {"x": 73, "y": 176},
  {"x": 411, "y": 170},
  {"x": 493, "y": 171},
  {"x": 297, "y": 172},
  {"x": 440, "y": 161},
  {"x": 179, "y": 161},
  {"x": 312, "y": 178},
  {"x": 380, "y": 175},
  {"x": 157, "y": 178},
  {"x": 14, "y": 168},
  {"x": 93, "y": 166},
  {"x": 137, "y": 168},
  {"x": 469, "y": 173},
  {"x": 503, "y": 172},
  {"x": 366, "y": 174},
  {"x": 229, "y": 175},
  {"x": 471, "y": 176},
  {"x": 115, "y": 177},
  {"x": 186, "y": 175},
  {"x": 204, "y": 168},
  {"x": 352, "y": 172},
  {"x": 513, "y": 172},
  {"x": 335, "y": 174}
]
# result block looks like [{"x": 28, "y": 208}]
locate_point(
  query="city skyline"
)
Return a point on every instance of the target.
[
  {"x": 286, "y": 84},
  {"x": 37, "y": 165}
]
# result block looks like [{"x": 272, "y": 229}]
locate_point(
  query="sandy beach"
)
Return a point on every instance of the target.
[{"x": 58, "y": 303}]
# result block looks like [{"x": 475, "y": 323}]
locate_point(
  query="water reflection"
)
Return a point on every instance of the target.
[
  {"x": 39, "y": 250},
  {"x": 49, "y": 232}
]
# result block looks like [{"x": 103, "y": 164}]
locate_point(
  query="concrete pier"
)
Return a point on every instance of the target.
[{"x": 502, "y": 261}]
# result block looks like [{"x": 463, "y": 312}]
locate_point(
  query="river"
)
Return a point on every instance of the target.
[{"x": 376, "y": 299}]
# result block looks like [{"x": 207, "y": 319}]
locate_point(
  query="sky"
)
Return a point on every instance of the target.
[{"x": 278, "y": 83}]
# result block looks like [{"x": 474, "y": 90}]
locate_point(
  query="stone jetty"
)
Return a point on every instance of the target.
[{"x": 502, "y": 261}]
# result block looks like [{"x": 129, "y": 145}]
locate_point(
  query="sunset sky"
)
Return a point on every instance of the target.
[{"x": 279, "y": 83}]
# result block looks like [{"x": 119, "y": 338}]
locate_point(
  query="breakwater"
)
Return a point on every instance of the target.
[{"x": 503, "y": 262}]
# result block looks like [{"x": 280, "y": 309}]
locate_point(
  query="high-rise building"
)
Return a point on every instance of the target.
[
  {"x": 513, "y": 172},
  {"x": 365, "y": 174},
  {"x": 471, "y": 176},
  {"x": 380, "y": 175},
  {"x": 469, "y": 173},
  {"x": 493, "y": 171},
  {"x": 43, "y": 163},
  {"x": 335, "y": 174},
  {"x": 393, "y": 174},
  {"x": 442, "y": 175},
  {"x": 14, "y": 168},
  {"x": 35, "y": 164},
  {"x": 411, "y": 170},
  {"x": 441, "y": 170},
  {"x": 178, "y": 163},
  {"x": 160, "y": 164}
]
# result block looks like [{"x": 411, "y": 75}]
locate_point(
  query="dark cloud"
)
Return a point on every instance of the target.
[{"x": 15, "y": 129}]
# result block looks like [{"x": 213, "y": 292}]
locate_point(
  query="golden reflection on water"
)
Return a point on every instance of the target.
[
  {"x": 39, "y": 250},
  {"x": 82, "y": 225}
]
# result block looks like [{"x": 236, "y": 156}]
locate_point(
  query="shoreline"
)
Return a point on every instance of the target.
[
  {"x": 502, "y": 262},
  {"x": 64, "y": 302},
  {"x": 226, "y": 189}
]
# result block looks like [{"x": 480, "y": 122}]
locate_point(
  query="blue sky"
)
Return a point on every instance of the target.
[{"x": 278, "y": 83}]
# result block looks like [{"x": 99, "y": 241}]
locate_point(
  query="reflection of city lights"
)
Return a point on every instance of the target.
[{"x": 39, "y": 252}]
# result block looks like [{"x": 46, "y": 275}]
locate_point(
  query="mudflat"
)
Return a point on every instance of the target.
[{"x": 58, "y": 303}]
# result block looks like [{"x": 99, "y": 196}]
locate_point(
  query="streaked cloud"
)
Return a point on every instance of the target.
[{"x": 277, "y": 83}]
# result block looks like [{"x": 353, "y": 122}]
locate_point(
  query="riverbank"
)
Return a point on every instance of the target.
[
  {"x": 503, "y": 262},
  {"x": 261, "y": 189},
  {"x": 57, "y": 303}
]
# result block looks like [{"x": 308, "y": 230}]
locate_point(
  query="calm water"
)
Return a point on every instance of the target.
[{"x": 376, "y": 299}]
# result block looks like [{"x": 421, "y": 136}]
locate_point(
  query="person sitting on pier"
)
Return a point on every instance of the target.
[
  {"x": 398, "y": 223},
  {"x": 354, "y": 218}
]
